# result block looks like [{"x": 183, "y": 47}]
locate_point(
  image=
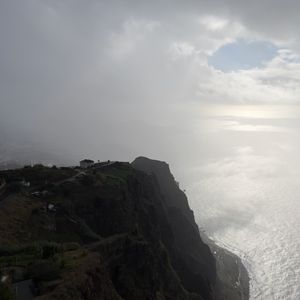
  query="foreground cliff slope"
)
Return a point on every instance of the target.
[{"x": 117, "y": 232}]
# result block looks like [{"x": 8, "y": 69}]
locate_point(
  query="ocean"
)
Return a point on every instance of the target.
[{"x": 245, "y": 192}]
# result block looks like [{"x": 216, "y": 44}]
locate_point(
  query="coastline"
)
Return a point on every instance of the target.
[{"x": 233, "y": 278}]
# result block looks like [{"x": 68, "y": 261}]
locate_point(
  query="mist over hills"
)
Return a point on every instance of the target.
[{"x": 18, "y": 149}]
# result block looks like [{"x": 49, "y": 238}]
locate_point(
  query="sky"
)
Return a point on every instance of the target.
[{"x": 119, "y": 79}]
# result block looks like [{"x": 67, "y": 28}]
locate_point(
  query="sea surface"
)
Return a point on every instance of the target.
[{"x": 245, "y": 192}]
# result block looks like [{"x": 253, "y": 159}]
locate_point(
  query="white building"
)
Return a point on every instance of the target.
[{"x": 86, "y": 163}]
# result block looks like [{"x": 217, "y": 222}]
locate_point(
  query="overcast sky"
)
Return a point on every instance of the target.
[{"x": 117, "y": 79}]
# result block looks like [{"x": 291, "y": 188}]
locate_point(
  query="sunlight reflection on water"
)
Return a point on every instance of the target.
[{"x": 249, "y": 202}]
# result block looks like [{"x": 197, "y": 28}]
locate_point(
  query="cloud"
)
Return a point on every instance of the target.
[
  {"x": 81, "y": 75},
  {"x": 182, "y": 49},
  {"x": 213, "y": 23},
  {"x": 277, "y": 82},
  {"x": 235, "y": 125},
  {"x": 133, "y": 32}
]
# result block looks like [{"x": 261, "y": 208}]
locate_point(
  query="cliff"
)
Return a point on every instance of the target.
[
  {"x": 191, "y": 258},
  {"x": 224, "y": 271},
  {"x": 121, "y": 232}
]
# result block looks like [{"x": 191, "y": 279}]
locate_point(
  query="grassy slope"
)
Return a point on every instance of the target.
[{"x": 25, "y": 226}]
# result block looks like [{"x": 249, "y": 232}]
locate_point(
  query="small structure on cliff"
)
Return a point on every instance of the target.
[{"x": 86, "y": 163}]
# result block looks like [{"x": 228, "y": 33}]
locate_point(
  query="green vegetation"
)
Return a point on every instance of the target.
[
  {"x": 121, "y": 171},
  {"x": 71, "y": 246},
  {"x": 87, "y": 233},
  {"x": 87, "y": 180},
  {"x": 22, "y": 256},
  {"x": 44, "y": 270},
  {"x": 43, "y": 261},
  {"x": 5, "y": 292},
  {"x": 114, "y": 176},
  {"x": 39, "y": 174},
  {"x": 44, "y": 248},
  {"x": 107, "y": 229}
]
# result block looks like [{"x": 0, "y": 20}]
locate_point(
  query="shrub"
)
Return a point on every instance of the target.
[
  {"x": 71, "y": 246},
  {"x": 13, "y": 188},
  {"x": 5, "y": 292},
  {"x": 49, "y": 249},
  {"x": 87, "y": 180},
  {"x": 6, "y": 250},
  {"x": 42, "y": 249},
  {"x": 44, "y": 270},
  {"x": 87, "y": 233}
]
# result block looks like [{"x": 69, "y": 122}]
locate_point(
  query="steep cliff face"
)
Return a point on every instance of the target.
[
  {"x": 191, "y": 258},
  {"x": 203, "y": 260}
]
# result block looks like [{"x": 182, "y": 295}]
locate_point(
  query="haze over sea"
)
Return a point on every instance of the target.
[{"x": 246, "y": 194}]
